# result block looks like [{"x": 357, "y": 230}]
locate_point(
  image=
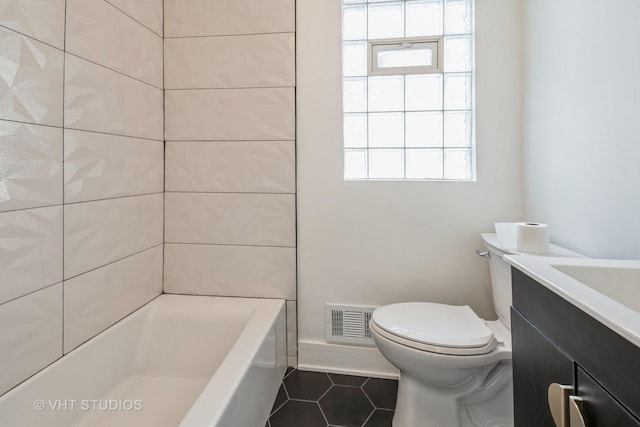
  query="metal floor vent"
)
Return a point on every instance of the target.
[{"x": 347, "y": 324}]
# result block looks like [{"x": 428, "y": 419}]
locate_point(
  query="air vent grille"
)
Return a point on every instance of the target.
[
  {"x": 337, "y": 322},
  {"x": 349, "y": 324},
  {"x": 367, "y": 317}
]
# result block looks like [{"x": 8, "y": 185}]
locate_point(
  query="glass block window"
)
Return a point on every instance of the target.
[{"x": 411, "y": 123}]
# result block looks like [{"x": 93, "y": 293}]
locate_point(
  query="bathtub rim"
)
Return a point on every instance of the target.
[{"x": 212, "y": 401}]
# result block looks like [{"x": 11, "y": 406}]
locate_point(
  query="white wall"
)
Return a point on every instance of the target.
[
  {"x": 581, "y": 127},
  {"x": 376, "y": 243},
  {"x": 81, "y": 173}
]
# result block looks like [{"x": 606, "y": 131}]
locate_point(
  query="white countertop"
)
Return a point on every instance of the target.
[{"x": 618, "y": 316}]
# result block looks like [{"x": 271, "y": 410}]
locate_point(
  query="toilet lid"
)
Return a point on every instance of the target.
[{"x": 437, "y": 326}]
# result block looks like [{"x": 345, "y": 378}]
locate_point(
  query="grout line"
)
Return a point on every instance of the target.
[
  {"x": 373, "y": 411},
  {"x": 295, "y": 174},
  {"x": 229, "y": 192},
  {"x": 136, "y": 20},
  {"x": 63, "y": 163},
  {"x": 128, "y": 196},
  {"x": 84, "y": 130},
  {"x": 6, "y": 392},
  {"x": 306, "y": 400},
  {"x": 30, "y": 123},
  {"x": 113, "y": 262},
  {"x": 192, "y": 89},
  {"x": 231, "y": 35},
  {"x": 113, "y": 69},
  {"x": 328, "y": 390},
  {"x": 164, "y": 153},
  {"x": 38, "y": 40},
  {"x": 229, "y": 140},
  {"x": 109, "y": 325},
  {"x": 113, "y": 134},
  {"x": 32, "y": 292},
  {"x": 366, "y": 394},
  {"x": 321, "y": 411},
  {"x": 222, "y": 296},
  {"x": 278, "y": 408},
  {"x": 241, "y": 245},
  {"x": 31, "y": 208}
]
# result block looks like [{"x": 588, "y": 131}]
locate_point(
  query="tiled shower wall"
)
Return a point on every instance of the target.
[
  {"x": 81, "y": 173},
  {"x": 230, "y": 150}
]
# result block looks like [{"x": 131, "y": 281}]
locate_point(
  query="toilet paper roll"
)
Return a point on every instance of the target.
[
  {"x": 532, "y": 237},
  {"x": 506, "y": 233}
]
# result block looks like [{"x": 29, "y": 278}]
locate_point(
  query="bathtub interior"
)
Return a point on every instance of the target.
[{"x": 150, "y": 368}]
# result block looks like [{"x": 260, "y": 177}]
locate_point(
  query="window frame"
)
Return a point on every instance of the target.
[
  {"x": 374, "y": 70},
  {"x": 457, "y": 153}
]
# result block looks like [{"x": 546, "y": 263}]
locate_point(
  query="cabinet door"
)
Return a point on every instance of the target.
[
  {"x": 537, "y": 363},
  {"x": 599, "y": 408}
]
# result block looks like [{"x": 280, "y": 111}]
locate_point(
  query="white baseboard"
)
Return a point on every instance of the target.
[{"x": 344, "y": 359}]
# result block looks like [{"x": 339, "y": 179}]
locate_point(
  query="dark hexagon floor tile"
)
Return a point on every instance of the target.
[
  {"x": 288, "y": 371},
  {"x": 346, "y": 406},
  {"x": 382, "y": 392},
  {"x": 380, "y": 418},
  {"x": 295, "y": 413},
  {"x": 307, "y": 385},
  {"x": 281, "y": 397},
  {"x": 351, "y": 380}
]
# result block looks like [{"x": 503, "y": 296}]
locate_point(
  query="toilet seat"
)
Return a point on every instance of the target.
[{"x": 435, "y": 328}]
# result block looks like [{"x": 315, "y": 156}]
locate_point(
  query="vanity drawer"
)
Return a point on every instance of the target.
[{"x": 599, "y": 408}]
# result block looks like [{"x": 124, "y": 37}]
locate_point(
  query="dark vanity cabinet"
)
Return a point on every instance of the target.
[{"x": 554, "y": 342}]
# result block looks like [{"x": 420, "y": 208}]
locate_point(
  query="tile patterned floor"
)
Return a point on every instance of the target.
[{"x": 316, "y": 399}]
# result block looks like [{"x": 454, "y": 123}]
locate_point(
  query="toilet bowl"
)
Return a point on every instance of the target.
[
  {"x": 455, "y": 368},
  {"x": 457, "y": 374}
]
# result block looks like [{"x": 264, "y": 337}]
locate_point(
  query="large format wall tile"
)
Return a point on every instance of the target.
[
  {"x": 96, "y": 300},
  {"x": 30, "y": 81},
  {"x": 40, "y": 19},
  {"x": 30, "y": 251},
  {"x": 97, "y": 233},
  {"x": 261, "y": 60},
  {"x": 99, "y": 32},
  {"x": 100, "y": 166},
  {"x": 245, "y": 271},
  {"x": 101, "y": 100},
  {"x": 147, "y": 12},
  {"x": 208, "y": 18},
  {"x": 30, "y": 335},
  {"x": 230, "y": 114},
  {"x": 231, "y": 166},
  {"x": 30, "y": 165},
  {"x": 235, "y": 219}
]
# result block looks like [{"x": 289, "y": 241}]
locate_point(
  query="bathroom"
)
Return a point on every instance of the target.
[{"x": 196, "y": 148}]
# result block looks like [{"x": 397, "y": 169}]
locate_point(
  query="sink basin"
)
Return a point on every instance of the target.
[{"x": 618, "y": 283}]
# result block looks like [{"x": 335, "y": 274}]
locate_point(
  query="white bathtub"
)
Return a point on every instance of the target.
[{"x": 179, "y": 360}]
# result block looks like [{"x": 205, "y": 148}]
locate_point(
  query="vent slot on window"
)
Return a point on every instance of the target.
[{"x": 405, "y": 56}]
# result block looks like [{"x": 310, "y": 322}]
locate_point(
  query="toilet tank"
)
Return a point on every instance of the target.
[
  {"x": 501, "y": 273},
  {"x": 500, "y": 278}
]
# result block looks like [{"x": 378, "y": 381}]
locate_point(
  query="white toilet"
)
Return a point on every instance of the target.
[{"x": 455, "y": 368}]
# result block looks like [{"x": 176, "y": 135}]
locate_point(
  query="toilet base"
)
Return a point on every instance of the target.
[{"x": 487, "y": 402}]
